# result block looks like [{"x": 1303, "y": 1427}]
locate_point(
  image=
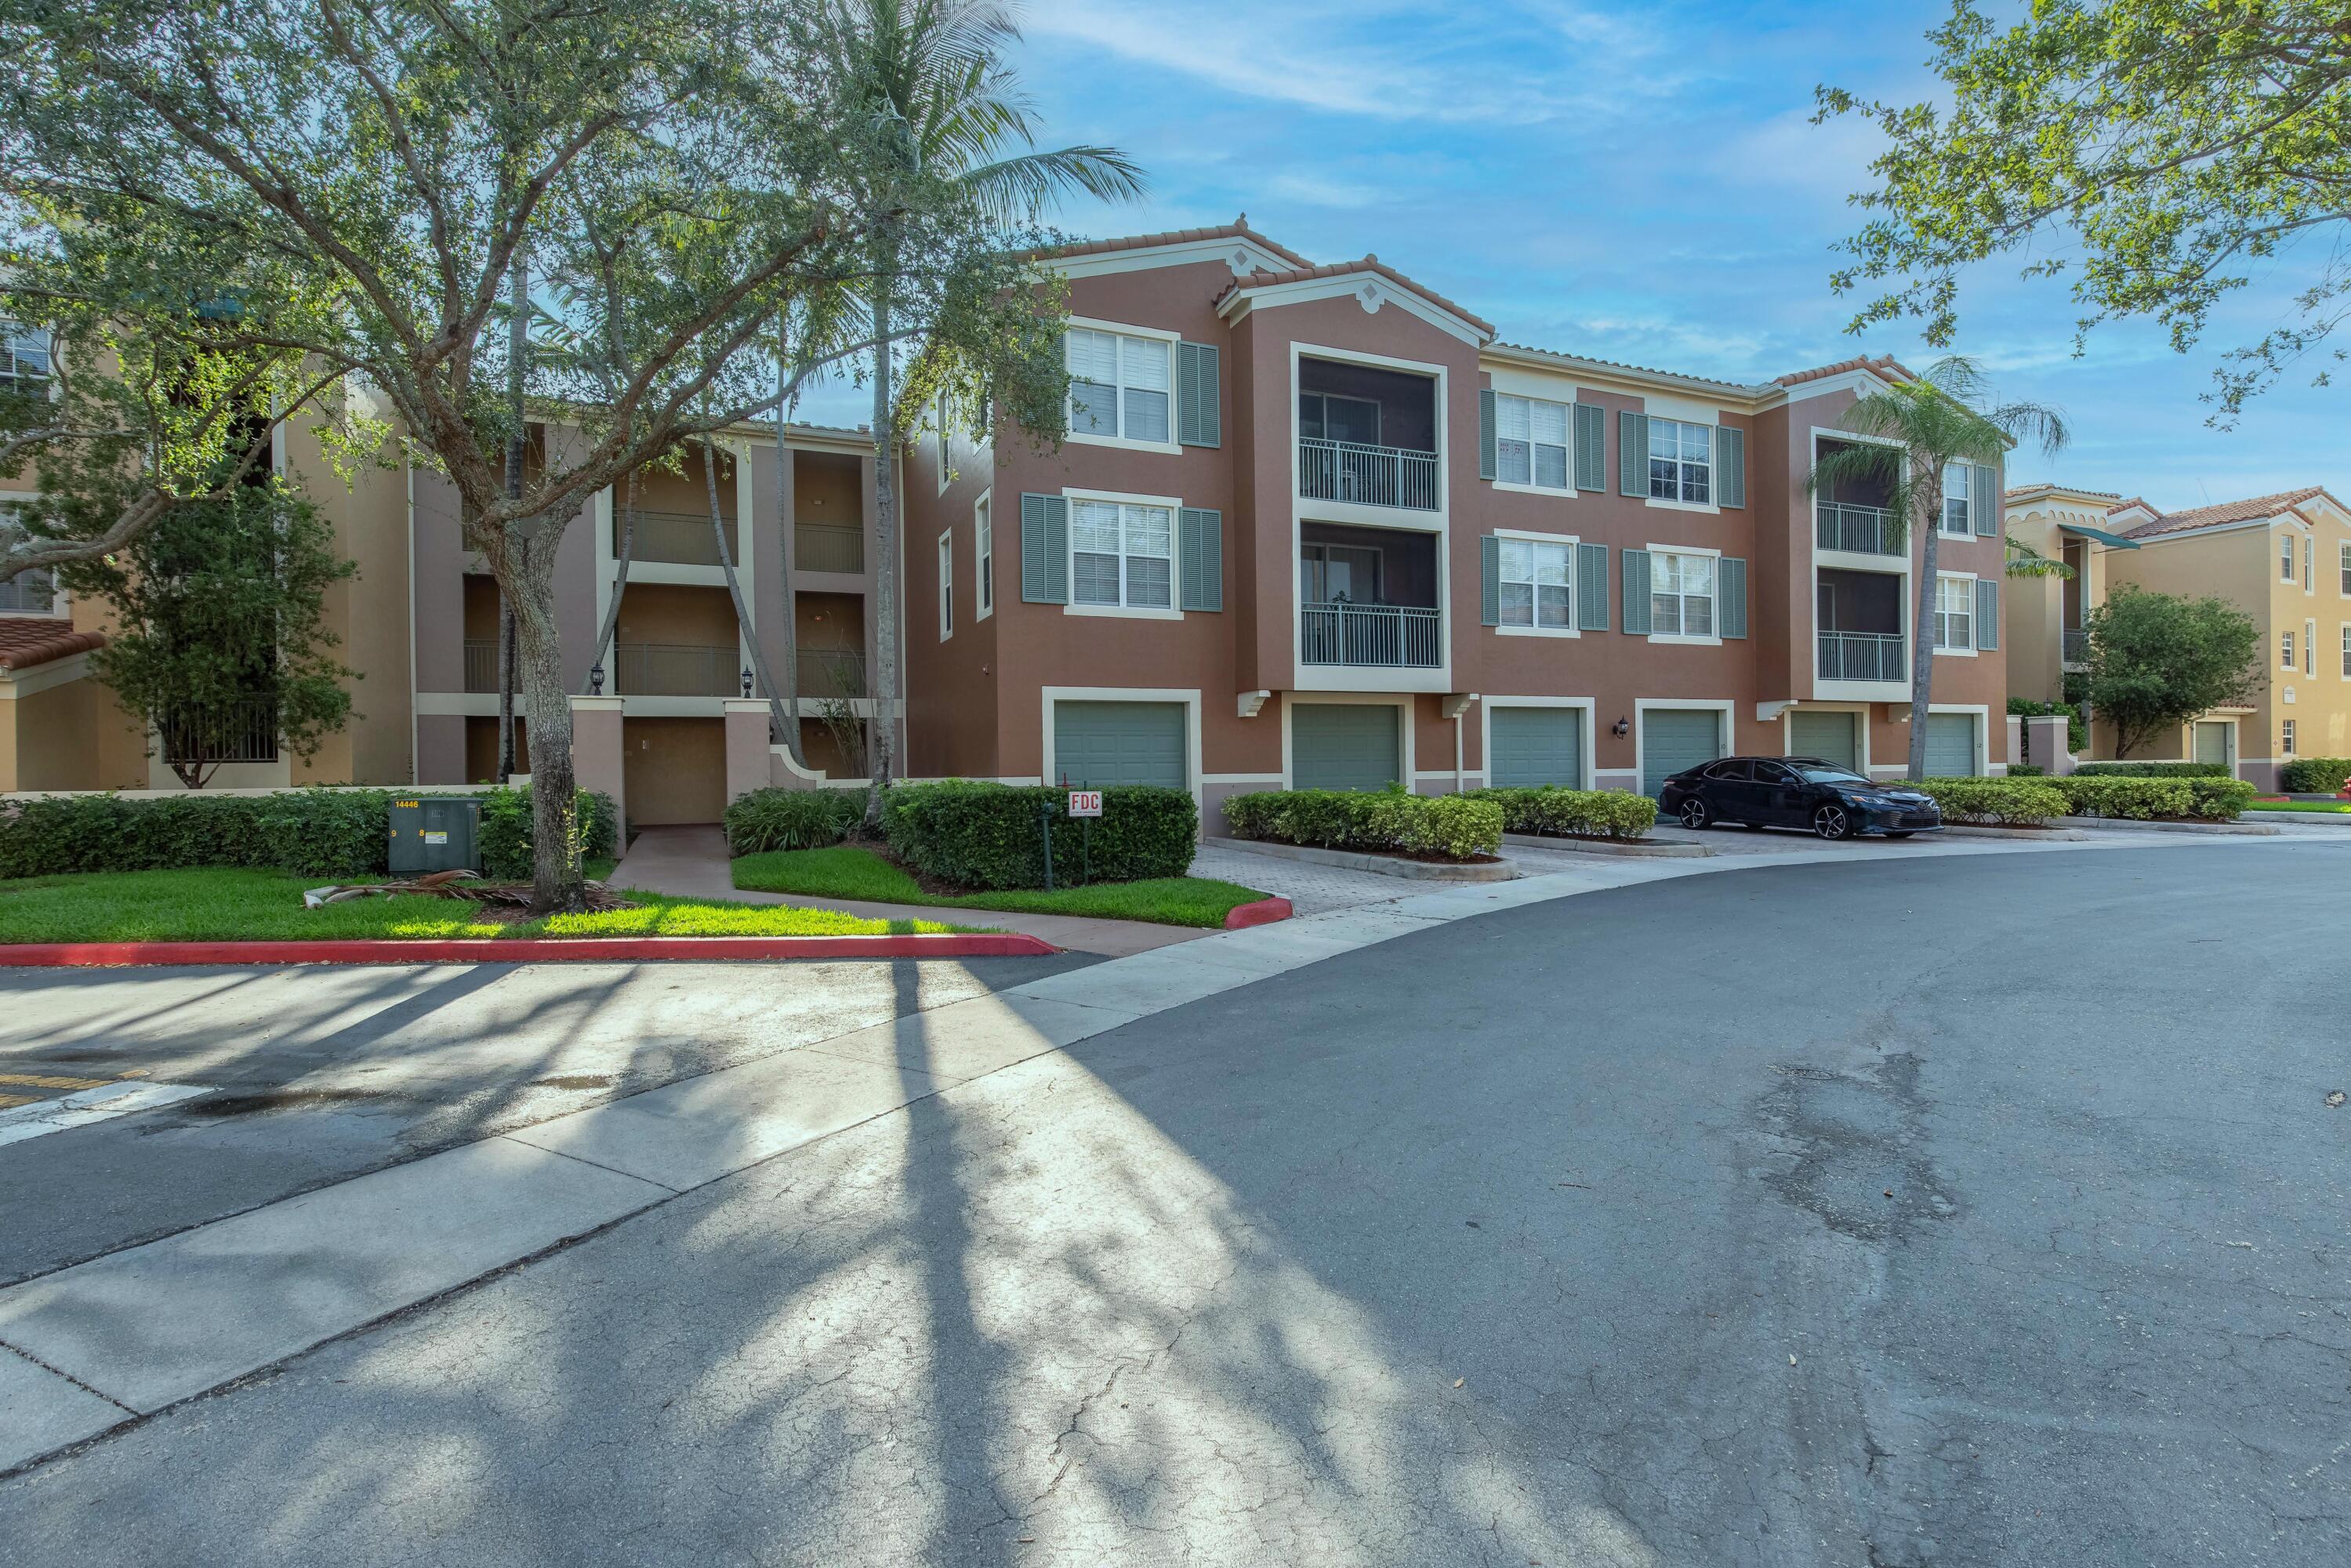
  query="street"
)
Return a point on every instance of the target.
[{"x": 1961, "y": 1210}]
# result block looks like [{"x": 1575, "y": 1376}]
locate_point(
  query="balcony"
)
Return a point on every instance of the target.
[
  {"x": 676, "y": 538},
  {"x": 829, "y": 547},
  {"x": 1368, "y": 597},
  {"x": 1861, "y": 530},
  {"x": 1390, "y": 636},
  {"x": 676, "y": 670},
  {"x": 2077, "y": 652},
  {"x": 1367, "y": 476},
  {"x": 827, "y": 673},
  {"x": 1864, "y": 656},
  {"x": 245, "y": 732},
  {"x": 1367, "y": 436},
  {"x": 482, "y": 666}
]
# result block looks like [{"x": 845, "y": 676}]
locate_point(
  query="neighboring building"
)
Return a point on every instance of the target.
[
  {"x": 1313, "y": 526},
  {"x": 2046, "y": 614}
]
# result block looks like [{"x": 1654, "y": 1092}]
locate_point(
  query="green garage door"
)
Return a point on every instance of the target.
[
  {"x": 1827, "y": 735},
  {"x": 1344, "y": 745},
  {"x": 1535, "y": 746},
  {"x": 1672, "y": 738},
  {"x": 1950, "y": 744},
  {"x": 1100, "y": 744}
]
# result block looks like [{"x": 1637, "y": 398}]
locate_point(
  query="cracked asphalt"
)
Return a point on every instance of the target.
[{"x": 1964, "y": 1211}]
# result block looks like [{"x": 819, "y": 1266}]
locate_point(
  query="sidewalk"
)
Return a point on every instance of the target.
[{"x": 691, "y": 863}]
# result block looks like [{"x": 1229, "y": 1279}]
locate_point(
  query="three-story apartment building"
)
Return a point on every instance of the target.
[{"x": 1314, "y": 526}]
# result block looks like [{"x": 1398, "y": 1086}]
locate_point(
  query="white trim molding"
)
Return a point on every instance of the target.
[
  {"x": 1405, "y": 703},
  {"x": 1587, "y": 744},
  {"x": 1641, "y": 706},
  {"x": 1187, "y": 695}
]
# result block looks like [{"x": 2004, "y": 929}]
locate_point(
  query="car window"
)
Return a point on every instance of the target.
[
  {"x": 1828, "y": 773},
  {"x": 1732, "y": 772},
  {"x": 1770, "y": 773}
]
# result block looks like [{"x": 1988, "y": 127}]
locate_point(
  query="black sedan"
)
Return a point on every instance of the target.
[{"x": 1830, "y": 799}]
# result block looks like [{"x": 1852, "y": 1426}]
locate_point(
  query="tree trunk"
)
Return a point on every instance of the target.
[
  {"x": 735, "y": 592},
  {"x": 505, "y": 688},
  {"x": 1922, "y": 631},
  {"x": 620, "y": 581},
  {"x": 884, "y": 744},
  {"x": 557, "y": 877},
  {"x": 784, "y": 544},
  {"x": 517, "y": 347}
]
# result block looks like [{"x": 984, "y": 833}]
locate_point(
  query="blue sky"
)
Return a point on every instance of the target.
[{"x": 1634, "y": 182}]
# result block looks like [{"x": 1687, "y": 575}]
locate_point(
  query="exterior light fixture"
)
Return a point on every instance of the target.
[
  {"x": 595, "y": 680},
  {"x": 1621, "y": 727},
  {"x": 746, "y": 680}
]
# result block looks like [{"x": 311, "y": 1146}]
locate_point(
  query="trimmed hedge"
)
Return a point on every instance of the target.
[
  {"x": 1452, "y": 827},
  {"x": 322, "y": 832},
  {"x": 768, "y": 820},
  {"x": 2151, "y": 770},
  {"x": 2315, "y": 775},
  {"x": 2144, "y": 799},
  {"x": 985, "y": 836},
  {"x": 2004, "y": 801},
  {"x": 1555, "y": 810}
]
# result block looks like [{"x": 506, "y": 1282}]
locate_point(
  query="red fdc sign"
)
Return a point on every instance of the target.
[{"x": 1085, "y": 802}]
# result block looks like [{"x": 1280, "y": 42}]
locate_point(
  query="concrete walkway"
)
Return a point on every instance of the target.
[{"x": 691, "y": 863}]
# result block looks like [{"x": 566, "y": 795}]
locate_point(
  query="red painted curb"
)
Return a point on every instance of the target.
[
  {"x": 528, "y": 950},
  {"x": 1264, "y": 912}
]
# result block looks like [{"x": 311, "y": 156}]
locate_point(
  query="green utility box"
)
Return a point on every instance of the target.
[{"x": 435, "y": 832}]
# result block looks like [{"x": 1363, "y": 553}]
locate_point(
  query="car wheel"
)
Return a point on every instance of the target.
[
  {"x": 1694, "y": 813},
  {"x": 1832, "y": 821}
]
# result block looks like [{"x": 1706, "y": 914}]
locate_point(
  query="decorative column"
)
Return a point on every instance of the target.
[
  {"x": 747, "y": 765},
  {"x": 597, "y": 753}
]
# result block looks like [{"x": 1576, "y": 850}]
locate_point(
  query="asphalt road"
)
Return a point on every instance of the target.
[{"x": 1965, "y": 1211}]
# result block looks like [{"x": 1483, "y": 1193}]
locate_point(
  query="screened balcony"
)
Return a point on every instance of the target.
[
  {"x": 1855, "y": 514},
  {"x": 1366, "y": 435},
  {"x": 1858, "y": 625},
  {"x": 1368, "y": 597}
]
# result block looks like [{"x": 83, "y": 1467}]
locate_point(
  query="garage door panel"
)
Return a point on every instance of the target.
[
  {"x": 1827, "y": 735},
  {"x": 1675, "y": 738},
  {"x": 1950, "y": 744},
  {"x": 1100, "y": 744},
  {"x": 1536, "y": 746},
  {"x": 1344, "y": 745}
]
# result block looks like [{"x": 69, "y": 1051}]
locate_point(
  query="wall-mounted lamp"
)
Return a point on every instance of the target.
[
  {"x": 746, "y": 680},
  {"x": 595, "y": 680},
  {"x": 1620, "y": 728}
]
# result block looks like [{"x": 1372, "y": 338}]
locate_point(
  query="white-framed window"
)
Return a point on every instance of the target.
[
  {"x": 1681, "y": 461},
  {"x": 1681, "y": 593},
  {"x": 1530, "y": 441},
  {"x": 1955, "y": 519},
  {"x": 2346, "y": 651},
  {"x": 2346, "y": 567},
  {"x": 2309, "y": 565},
  {"x": 2285, "y": 649},
  {"x": 1537, "y": 584},
  {"x": 2310, "y": 648},
  {"x": 2288, "y": 738},
  {"x": 24, "y": 362},
  {"x": 2285, "y": 558},
  {"x": 33, "y": 592},
  {"x": 939, "y": 413},
  {"x": 983, "y": 531},
  {"x": 1122, "y": 555},
  {"x": 1955, "y": 613},
  {"x": 1121, "y": 385},
  {"x": 946, "y": 585}
]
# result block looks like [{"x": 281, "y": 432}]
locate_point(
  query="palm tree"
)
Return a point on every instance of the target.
[
  {"x": 930, "y": 76},
  {"x": 1917, "y": 428}
]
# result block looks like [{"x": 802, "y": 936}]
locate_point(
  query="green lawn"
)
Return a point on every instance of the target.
[
  {"x": 847, "y": 872},
  {"x": 2335, "y": 807},
  {"x": 218, "y": 904}
]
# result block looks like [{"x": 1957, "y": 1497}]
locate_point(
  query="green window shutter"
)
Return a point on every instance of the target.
[
  {"x": 1201, "y": 542},
  {"x": 1485, "y": 464},
  {"x": 1591, "y": 588},
  {"x": 1489, "y": 557},
  {"x": 1984, "y": 500},
  {"x": 1636, "y": 591},
  {"x": 1045, "y": 549},
  {"x": 1591, "y": 446},
  {"x": 1731, "y": 584},
  {"x": 1729, "y": 466},
  {"x": 1987, "y": 613},
  {"x": 1633, "y": 460},
  {"x": 1200, "y": 411}
]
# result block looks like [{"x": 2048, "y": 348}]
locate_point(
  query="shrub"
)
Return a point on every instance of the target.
[
  {"x": 2315, "y": 775},
  {"x": 792, "y": 818},
  {"x": 2221, "y": 799},
  {"x": 1455, "y": 826},
  {"x": 321, "y": 832},
  {"x": 985, "y": 836},
  {"x": 2150, "y": 770},
  {"x": 1999, "y": 801},
  {"x": 2027, "y": 770},
  {"x": 1589, "y": 813},
  {"x": 2077, "y": 734},
  {"x": 2138, "y": 799}
]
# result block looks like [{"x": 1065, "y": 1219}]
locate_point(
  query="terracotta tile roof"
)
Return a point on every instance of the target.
[
  {"x": 2225, "y": 512},
  {"x": 1638, "y": 370},
  {"x": 27, "y": 641},
  {"x": 2048, "y": 487},
  {"x": 1306, "y": 272},
  {"x": 1885, "y": 366},
  {"x": 1238, "y": 229}
]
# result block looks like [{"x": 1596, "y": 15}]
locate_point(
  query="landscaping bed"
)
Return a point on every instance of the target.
[
  {"x": 2035, "y": 801},
  {"x": 2323, "y": 808},
  {"x": 867, "y": 875},
  {"x": 1448, "y": 829}
]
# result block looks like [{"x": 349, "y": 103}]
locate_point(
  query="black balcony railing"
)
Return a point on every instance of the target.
[
  {"x": 676, "y": 538},
  {"x": 1864, "y": 656},
  {"x": 829, "y": 547},
  {"x": 832, "y": 672},
  {"x": 246, "y": 732},
  {"x": 1391, "y": 635},
  {"x": 2078, "y": 646},
  {"x": 481, "y": 666},
  {"x": 676, "y": 670}
]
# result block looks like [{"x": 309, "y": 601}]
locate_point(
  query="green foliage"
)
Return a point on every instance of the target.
[
  {"x": 2012, "y": 803},
  {"x": 318, "y": 832},
  {"x": 1450, "y": 827},
  {"x": 852, "y": 871},
  {"x": 1582, "y": 813},
  {"x": 2158, "y": 660},
  {"x": 217, "y": 609},
  {"x": 2222, "y": 799},
  {"x": 2151, "y": 770},
  {"x": 983, "y": 835},
  {"x": 2156, "y": 152},
  {"x": 2027, "y": 770},
  {"x": 2142, "y": 800},
  {"x": 2077, "y": 733},
  {"x": 768, "y": 820},
  {"x": 2315, "y": 775}
]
